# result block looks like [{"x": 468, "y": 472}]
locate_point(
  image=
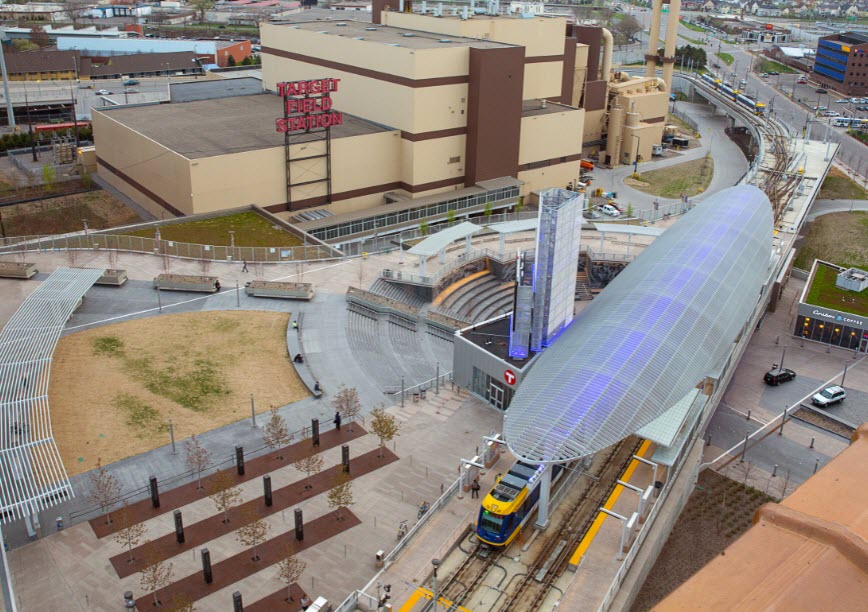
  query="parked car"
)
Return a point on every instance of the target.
[
  {"x": 131, "y": 82},
  {"x": 862, "y": 108},
  {"x": 774, "y": 72},
  {"x": 105, "y": 92},
  {"x": 828, "y": 396},
  {"x": 842, "y": 101},
  {"x": 764, "y": 75},
  {"x": 592, "y": 214},
  {"x": 821, "y": 90},
  {"x": 831, "y": 114},
  {"x": 777, "y": 375},
  {"x": 616, "y": 206},
  {"x": 610, "y": 210}
]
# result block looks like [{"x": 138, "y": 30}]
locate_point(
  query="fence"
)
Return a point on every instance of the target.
[
  {"x": 163, "y": 248},
  {"x": 427, "y": 385},
  {"x": 677, "y": 113}
]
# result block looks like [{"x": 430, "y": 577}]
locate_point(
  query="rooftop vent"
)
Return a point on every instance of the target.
[
  {"x": 444, "y": 40},
  {"x": 359, "y": 38},
  {"x": 340, "y": 25},
  {"x": 407, "y": 34},
  {"x": 371, "y": 29},
  {"x": 394, "y": 45}
]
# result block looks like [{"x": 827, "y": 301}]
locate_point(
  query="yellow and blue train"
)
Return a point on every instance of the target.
[
  {"x": 735, "y": 95},
  {"x": 508, "y": 506}
]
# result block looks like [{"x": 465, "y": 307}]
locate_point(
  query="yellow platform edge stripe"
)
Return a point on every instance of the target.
[
  {"x": 421, "y": 592},
  {"x": 601, "y": 516},
  {"x": 457, "y": 285}
]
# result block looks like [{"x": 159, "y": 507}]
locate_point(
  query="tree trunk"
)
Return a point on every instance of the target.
[
  {"x": 130, "y": 546},
  {"x": 288, "y": 591}
]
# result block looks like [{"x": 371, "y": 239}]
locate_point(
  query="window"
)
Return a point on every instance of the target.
[{"x": 455, "y": 160}]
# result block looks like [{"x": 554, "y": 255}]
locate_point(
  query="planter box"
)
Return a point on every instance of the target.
[
  {"x": 291, "y": 291},
  {"x": 10, "y": 269},
  {"x": 116, "y": 278},
  {"x": 184, "y": 282}
]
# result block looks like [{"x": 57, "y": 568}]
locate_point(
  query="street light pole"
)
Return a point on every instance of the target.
[
  {"x": 636, "y": 158},
  {"x": 10, "y": 111},
  {"x": 436, "y": 564}
]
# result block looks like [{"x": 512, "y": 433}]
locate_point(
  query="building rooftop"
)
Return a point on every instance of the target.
[
  {"x": 530, "y": 108},
  {"x": 808, "y": 552},
  {"x": 387, "y": 35},
  {"x": 208, "y": 89},
  {"x": 220, "y": 126},
  {"x": 493, "y": 337}
]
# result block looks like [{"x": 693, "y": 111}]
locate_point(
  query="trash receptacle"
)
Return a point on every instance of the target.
[
  {"x": 658, "y": 486},
  {"x": 416, "y": 397},
  {"x": 59, "y": 523},
  {"x": 129, "y": 602},
  {"x": 422, "y": 393}
]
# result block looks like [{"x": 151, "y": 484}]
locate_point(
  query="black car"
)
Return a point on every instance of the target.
[
  {"x": 820, "y": 90},
  {"x": 777, "y": 375}
]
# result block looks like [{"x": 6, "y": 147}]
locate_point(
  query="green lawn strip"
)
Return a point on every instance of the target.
[
  {"x": 689, "y": 178},
  {"x": 251, "y": 230},
  {"x": 773, "y": 66},
  {"x": 840, "y": 187},
  {"x": 824, "y": 293},
  {"x": 692, "y": 40},
  {"x": 693, "y": 26},
  {"x": 726, "y": 58}
]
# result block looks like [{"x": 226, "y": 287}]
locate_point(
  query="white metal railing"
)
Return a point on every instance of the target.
[
  {"x": 426, "y": 385},
  {"x": 600, "y": 255},
  {"x": 32, "y": 476}
]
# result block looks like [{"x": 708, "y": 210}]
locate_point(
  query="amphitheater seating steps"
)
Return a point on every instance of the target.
[
  {"x": 491, "y": 297},
  {"x": 395, "y": 292}
]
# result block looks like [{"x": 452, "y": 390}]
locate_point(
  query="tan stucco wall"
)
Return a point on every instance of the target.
[
  {"x": 649, "y": 105},
  {"x": 227, "y": 181},
  {"x": 595, "y": 121},
  {"x": 540, "y": 36},
  {"x": 549, "y": 136},
  {"x": 542, "y": 80},
  {"x": 559, "y": 175},
  {"x": 162, "y": 171},
  {"x": 427, "y": 161},
  {"x": 648, "y": 134}
]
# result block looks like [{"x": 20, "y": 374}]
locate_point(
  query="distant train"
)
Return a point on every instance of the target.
[
  {"x": 509, "y": 504},
  {"x": 735, "y": 95}
]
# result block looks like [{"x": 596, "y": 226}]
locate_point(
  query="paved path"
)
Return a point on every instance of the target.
[
  {"x": 729, "y": 162},
  {"x": 824, "y": 207}
]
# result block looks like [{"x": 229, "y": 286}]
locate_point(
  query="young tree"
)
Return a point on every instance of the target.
[
  {"x": 627, "y": 27},
  {"x": 49, "y": 177},
  {"x": 200, "y": 6},
  {"x": 129, "y": 532},
  {"x": 230, "y": 61},
  {"x": 39, "y": 37},
  {"x": 104, "y": 489},
  {"x": 310, "y": 463},
  {"x": 290, "y": 568},
  {"x": 224, "y": 493},
  {"x": 487, "y": 210},
  {"x": 275, "y": 433},
  {"x": 198, "y": 458},
  {"x": 346, "y": 402},
  {"x": 423, "y": 227},
  {"x": 340, "y": 496},
  {"x": 254, "y": 532},
  {"x": 450, "y": 215},
  {"x": 204, "y": 266},
  {"x": 157, "y": 573},
  {"x": 384, "y": 426}
]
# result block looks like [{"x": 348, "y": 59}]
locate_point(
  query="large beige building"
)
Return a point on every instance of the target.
[{"x": 440, "y": 113}]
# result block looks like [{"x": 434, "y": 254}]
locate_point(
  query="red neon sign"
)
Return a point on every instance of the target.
[{"x": 307, "y": 105}]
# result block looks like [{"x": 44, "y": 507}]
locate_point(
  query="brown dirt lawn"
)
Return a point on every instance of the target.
[{"x": 114, "y": 388}]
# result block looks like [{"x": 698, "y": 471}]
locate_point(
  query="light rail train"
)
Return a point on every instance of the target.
[
  {"x": 758, "y": 108},
  {"x": 508, "y": 506}
]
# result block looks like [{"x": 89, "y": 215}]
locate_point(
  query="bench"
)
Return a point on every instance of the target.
[
  {"x": 290, "y": 291},
  {"x": 115, "y": 278}
]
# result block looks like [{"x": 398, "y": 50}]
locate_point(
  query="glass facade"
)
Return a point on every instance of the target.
[
  {"x": 557, "y": 256},
  {"x": 830, "y": 332},
  {"x": 492, "y": 390},
  {"x": 382, "y": 221}
]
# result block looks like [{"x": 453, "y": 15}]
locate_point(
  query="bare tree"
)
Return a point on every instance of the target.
[
  {"x": 224, "y": 493},
  {"x": 346, "y": 402},
  {"x": 104, "y": 489},
  {"x": 129, "y": 533},
  {"x": 276, "y": 433},
  {"x": 71, "y": 256},
  {"x": 157, "y": 573},
  {"x": 258, "y": 270},
  {"x": 198, "y": 458},
  {"x": 205, "y": 266},
  {"x": 340, "y": 496},
  {"x": 310, "y": 463},
  {"x": 75, "y": 9},
  {"x": 784, "y": 485},
  {"x": 113, "y": 258},
  {"x": 166, "y": 263},
  {"x": 254, "y": 531},
  {"x": 384, "y": 426},
  {"x": 290, "y": 568}
]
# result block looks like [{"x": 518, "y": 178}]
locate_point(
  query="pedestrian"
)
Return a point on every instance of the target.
[
  {"x": 244, "y": 266},
  {"x": 295, "y": 325},
  {"x": 217, "y": 285},
  {"x": 316, "y": 387},
  {"x": 474, "y": 489},
  {"x": 338, "y": 421}
]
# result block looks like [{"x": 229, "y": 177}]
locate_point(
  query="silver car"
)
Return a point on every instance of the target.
[{"x": 828, "y": 396}]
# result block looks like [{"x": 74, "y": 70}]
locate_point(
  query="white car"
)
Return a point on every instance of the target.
[
  {"x": 828, "y": 396},
  {"x": 844, "y": 101},
  {"x": 104, "y": 92},
  {"x": 831, "y": 114},
  {"x": 610, "y": 210}
]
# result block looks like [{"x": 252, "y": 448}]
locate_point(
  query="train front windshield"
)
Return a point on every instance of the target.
[{"x": 490, "y": 522}]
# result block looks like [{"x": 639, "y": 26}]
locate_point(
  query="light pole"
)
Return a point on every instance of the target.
[
  {"x": 232, "y": 243},
  {"x": 636, "y": 158},
  {"x": 436, "y": 564}
]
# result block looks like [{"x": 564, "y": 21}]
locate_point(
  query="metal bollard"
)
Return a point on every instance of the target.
[
  {"x": 237, "y": 604},
  {"x": 239, "y": 459},
  {"x": 816, "y": 465},
  {"x": 179, "y": 527},
  {"x": 748, "y": 414},
  {"x": 206, "y": 566},
  {"x": 266, "y": 485},
  {"x": 812, "y": 443},
  {"x": 299, "y": 525},
  {"x": 775, "y": 471},
  {"x": 314, "y": 430},
  {"x": 155, "y": 492}
]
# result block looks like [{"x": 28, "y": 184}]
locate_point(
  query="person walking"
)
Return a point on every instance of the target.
[
  {"x": 295, "y": 325},
  {"x": 338, "y": 421},
  {"x": 244, "y": 267},
  {"x": 474, "y": 489}
]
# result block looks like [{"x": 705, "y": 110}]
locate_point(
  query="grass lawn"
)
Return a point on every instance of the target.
[
  {"x": 824, "y": 293},
  {"x": 839, "y": 186},
  {"x": 726, "y": 58},
  {"x": 114, "y": 388},
  {"x": 689, "y": 178},
  {"x": 693, "y": 26},
  {"x": 839, "y": 238},
  {"x": 251, "y": 230},
  {"x": 692, "y": 41},
  {"x": 64, "y": 214},
  {"x": 767, "y": 65}
]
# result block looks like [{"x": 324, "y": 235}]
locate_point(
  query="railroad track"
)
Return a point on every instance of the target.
[
  {"x": 463, "y": 582},
  {"x": 558, "y": 547}
]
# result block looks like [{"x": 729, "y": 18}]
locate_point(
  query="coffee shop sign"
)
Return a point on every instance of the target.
[
  {"x": 838, "y": 318},
  {"x": 308, "y": 105}
]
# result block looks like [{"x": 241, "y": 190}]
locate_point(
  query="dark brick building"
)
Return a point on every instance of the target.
[{"x": 842, "y": 63}]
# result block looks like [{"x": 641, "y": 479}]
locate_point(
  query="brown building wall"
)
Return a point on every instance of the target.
[
  {"x": 494, "y": 113},
  {"x": 569, "y": 75},
  {"x": 593, "y": 37}
]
